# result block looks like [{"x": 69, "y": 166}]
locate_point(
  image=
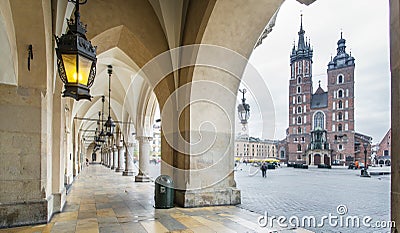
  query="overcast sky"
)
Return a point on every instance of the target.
[{"x": 365, "y": 26}]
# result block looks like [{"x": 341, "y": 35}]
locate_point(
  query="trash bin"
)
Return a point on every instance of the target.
[{"x": 164, "y": 192}]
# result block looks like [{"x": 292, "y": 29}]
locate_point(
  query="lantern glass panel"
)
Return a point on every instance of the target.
[
  {"x": 69, "y": 61},
  {"x": 70, "y": 68},
  {"x": 84, "y": 70}
]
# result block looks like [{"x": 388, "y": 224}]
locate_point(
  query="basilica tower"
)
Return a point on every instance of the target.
[
  {"x": 341, "y": 103},
  {"x": 300, "y": 92}
]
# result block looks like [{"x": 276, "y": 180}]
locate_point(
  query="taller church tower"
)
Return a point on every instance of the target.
[{"x": 300, "y": 92}]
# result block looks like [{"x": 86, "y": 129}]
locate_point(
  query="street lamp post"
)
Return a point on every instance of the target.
[
  {"x": 364, "y": 172},
  {"x": 243, "y": 110}
]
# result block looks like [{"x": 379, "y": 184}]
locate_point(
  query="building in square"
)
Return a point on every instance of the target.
[{"x": 321, "y": 123}]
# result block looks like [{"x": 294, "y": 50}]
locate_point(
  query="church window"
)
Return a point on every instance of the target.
[
  {"x": 298, "y": 147},
  {"x": 299, "y": 109},
  {"x": 340, "y": 116},
  {"x": 298, "y": 80},
  {"x": 319, "y": 120},
  {"x": 340, "y": 94},
  {"x": 302, "y": 139},
  {"x": 340, "y": 127},
  {"x": 306, "y": 68},
  {"x": 298, "y": 89},
  {"x": 293, "y": 71},
  {"x": 340, "y": 104},
  {"x": 340, "y": 79},
  {"x": 340, "y": 147},
  {"x": 300, "y": 67},
  {"x": 298, "y": 99},
  {"x": 299, "y": 130},
  {"x": 299, "y": 120}
]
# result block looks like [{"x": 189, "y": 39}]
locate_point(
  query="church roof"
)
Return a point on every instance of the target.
[
  {"x": 304, "y": 49},
  {"x": 342, "y": 59},
  {"x": 319, "y": 99},
  {"x": 319, "y": 91}
]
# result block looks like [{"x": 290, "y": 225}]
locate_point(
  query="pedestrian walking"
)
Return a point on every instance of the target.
[{"x": 264, "y": 169}]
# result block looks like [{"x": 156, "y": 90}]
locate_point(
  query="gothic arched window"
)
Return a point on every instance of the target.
[
  {"x": 298, "y": 99},
  {"x": 298, "y": 147},
  {"x": 319, "y": 120},
  {"x": 298, "y": 120},
  {"x": 299, "y": 109},
  {"x": 299, "y": 130},
  {"x": 340, "y": 79},
  {"x": 340, "y": 93},
  {"x": 340, "y": 127},
  {"x": 340, "y": 104},
  {"x": 340, "y": 116},
  {"x": 298, "y": 80}
]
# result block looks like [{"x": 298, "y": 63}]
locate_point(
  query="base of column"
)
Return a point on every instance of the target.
[
  {"x": 112, "y": 167},
  {"x": 127, "y": 173},
  {"x": 208, "y": 197},
  {"x": 142, "y": 178},
  {"x": 119, "y": 170}
]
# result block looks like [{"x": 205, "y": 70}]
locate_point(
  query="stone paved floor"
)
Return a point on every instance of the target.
[
  {"x": 315, "y": 192},
  {"x": 102, "y": 200}
]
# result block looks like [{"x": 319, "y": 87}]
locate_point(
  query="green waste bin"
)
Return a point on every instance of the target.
[{"x": 164, "y": 192}]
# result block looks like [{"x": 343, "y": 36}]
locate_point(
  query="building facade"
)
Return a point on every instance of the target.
[
  {"x": 383, "y": 152},
  {"x": 254, "y": 148},
  {"x": 321, "y": 123}
]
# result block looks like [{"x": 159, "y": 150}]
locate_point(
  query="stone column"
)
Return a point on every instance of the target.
[
  {"x": 110, "y": 158},
  {"x": 107, "y": 157},
  {"x": 102, "y": 156},
  {"x": 115, "y": 158},
  {"x": 121, "y": 159},
  {"x": 128, "y": 160},
  {"x": 144, "y": 157},
  {"x": 395, "y": 81}
]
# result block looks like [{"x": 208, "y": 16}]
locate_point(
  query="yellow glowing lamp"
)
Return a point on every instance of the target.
[{"x": 76, "y": 59}]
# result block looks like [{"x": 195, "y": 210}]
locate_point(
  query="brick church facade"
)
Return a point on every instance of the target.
[{"x": 321, "y": 123}]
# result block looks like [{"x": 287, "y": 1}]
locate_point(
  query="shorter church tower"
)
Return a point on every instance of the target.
[{"x": 341, "y": 103}]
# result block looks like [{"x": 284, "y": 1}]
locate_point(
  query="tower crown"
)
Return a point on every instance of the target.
[
  {"x": 303, "y": 50},
  {"x": 342, "y": 59}
]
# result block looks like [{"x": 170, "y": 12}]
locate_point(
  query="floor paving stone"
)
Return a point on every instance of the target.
[{"x": 102, "y": 200}]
